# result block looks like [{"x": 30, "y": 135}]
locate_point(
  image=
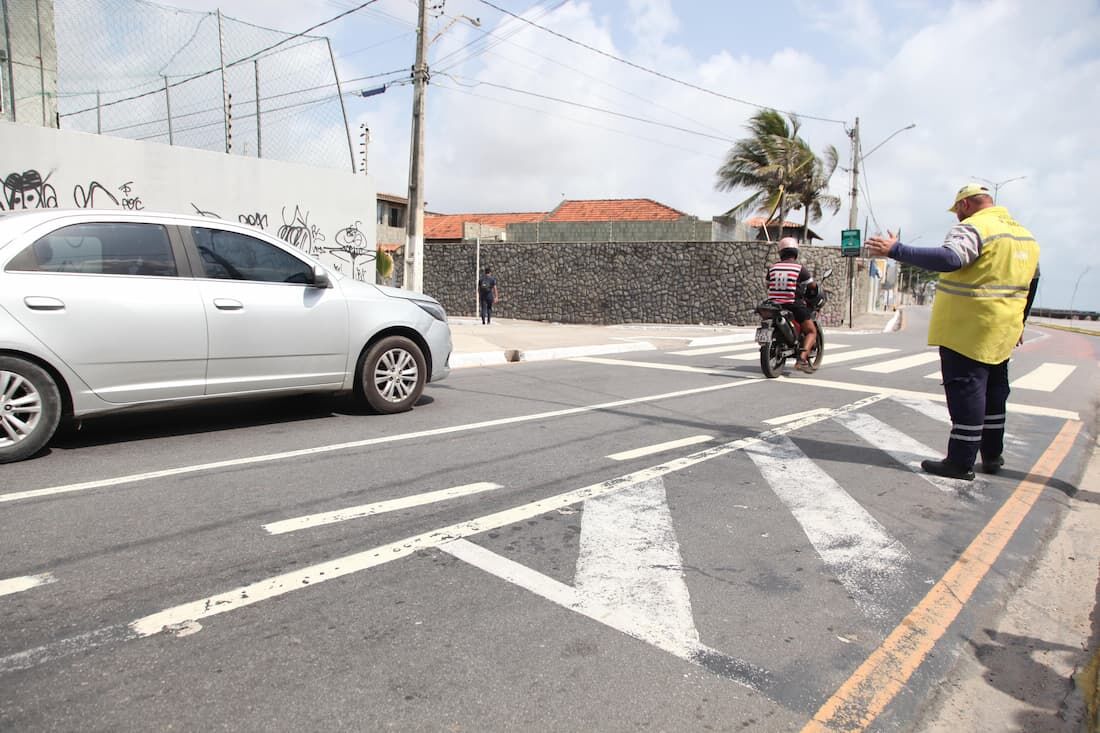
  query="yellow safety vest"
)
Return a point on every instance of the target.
[{"x": 979, "y": 309}]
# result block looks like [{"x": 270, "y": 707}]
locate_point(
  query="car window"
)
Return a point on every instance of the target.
[
  {"x": 101, "y": 248},
  {"x": 232, "y": 256}
]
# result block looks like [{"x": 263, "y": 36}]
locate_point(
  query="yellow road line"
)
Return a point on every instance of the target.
[{"x": 872, "y": 687}]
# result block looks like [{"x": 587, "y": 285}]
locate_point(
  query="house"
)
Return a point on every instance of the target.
[
  {"x": 390, "y": 221},
  {"x": 757, "y": 232},
  {"x": 584, "y": 220}
]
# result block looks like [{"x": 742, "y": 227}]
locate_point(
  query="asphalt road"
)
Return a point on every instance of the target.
[{"x": 661, "y": 541}]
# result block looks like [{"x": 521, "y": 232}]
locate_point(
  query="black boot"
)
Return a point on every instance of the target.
[
  {"x": 947, "y": 469},
  {"x": 993, "y": 465}
]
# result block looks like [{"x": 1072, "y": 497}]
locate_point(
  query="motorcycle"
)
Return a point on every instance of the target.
[{"x": 780, "y": 335}]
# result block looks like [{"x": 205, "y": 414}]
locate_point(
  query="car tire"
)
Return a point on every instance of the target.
[
  {"x": 393, "y": 374},
  {"x": 30, "y": 408}
]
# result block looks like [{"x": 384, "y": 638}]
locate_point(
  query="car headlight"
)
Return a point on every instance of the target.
[{"x": 435, "y": 310}]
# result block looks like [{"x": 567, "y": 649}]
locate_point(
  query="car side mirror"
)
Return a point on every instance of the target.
[{"x": 320, "y": 278}]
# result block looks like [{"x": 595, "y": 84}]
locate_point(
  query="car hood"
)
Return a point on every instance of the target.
[{"x": 390, "y": 292}]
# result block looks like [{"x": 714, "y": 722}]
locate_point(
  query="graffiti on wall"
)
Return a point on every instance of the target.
[{"x": 29, "y": 189}]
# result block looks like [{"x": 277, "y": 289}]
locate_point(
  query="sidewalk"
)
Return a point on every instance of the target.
[{"x": 508, "y": 340}]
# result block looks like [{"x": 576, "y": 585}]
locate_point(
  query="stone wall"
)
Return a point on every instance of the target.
[{"x": 625, "y": 282}]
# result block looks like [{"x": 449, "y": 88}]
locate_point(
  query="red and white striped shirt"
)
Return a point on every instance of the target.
[{"x": 783, "y": 279}]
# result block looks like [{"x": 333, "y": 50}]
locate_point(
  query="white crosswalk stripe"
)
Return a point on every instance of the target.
[
  {"x": 1046, "y": 378},
  {"x": 829, "y": 349},
  {"x": 902, "y": 362}
]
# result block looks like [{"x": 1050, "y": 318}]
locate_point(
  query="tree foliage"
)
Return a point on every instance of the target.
[{"x": 781, "y": 170}]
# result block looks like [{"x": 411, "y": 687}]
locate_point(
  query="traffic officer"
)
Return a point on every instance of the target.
[{"x": 990, "y": 266}]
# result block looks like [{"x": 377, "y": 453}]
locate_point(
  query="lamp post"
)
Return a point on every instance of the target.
[
  {"x": 852, "y": 213},
  {"x": 1074, "y": 294},
  {"x": 997, "y": 184}
]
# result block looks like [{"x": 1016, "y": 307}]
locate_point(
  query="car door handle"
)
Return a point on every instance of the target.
[
  {"x": 226, "y": 304},
  {"x": 43, "y": 303}
]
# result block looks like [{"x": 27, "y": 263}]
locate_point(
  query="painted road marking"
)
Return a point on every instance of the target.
[
  {"x": 621, "y": 618},
  {"x": 753, "y": 346},
  {"x": 857, "y": 702},
  {"x": 714, "y": 340},
  {"x": 668, "y": 367},
  {"x": 24, "y": 582},
  {"x": 755, "y": 356},
  {"x": 830, "y": 359},
  {"x": 286, "y": 455},
  {"x": 908, "y": 452},
  {"x": 816, "y": 381},
  {"x": 934, "y": 375},
  {"x": 379, "y": 507},
  {"x": 1047, "y": 378},
  {"x": 629, "y": 558},
  {"x": 278, "y": 585},
  {"x": 627, "y": 455},
  {"x": 854, "y": 546},
  {"x": 896, "y": 365},
  {"x": 795, "y": 416}
]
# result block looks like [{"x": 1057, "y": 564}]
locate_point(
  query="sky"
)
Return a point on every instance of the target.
[{"x": 643, "y": 99}]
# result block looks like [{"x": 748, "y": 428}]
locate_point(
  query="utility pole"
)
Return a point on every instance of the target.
[
  {"x": 852, "y": 215},
  {"x": 414, "y": 225}
]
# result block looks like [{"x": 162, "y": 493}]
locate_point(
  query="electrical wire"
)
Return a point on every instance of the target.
[{"x": 653, "y": 71}]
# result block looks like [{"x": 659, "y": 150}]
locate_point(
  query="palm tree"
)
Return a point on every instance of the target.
[
  {"x": 768, "y": 161},
  {"x": 783, "y": 170},
  {"x": 811, "y": 192}
]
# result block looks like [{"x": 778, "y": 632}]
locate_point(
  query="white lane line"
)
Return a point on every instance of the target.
[
  {"x": 1015, "y": 407},
  {"x": 829, "y": 348},
  {"x": 668, "y": 367},
  {"x": 931, "y": 410},
  {"x": 817, "y": 381},
  {"x": 795, "y": 416},
  {"x": 285, "y": 455},
  {"x": 934, "y": 375},
  {"x": 896, "y": 365},
  {"x": 854, "y": 546},
  {"x": 831, "y": 359},
  {"x": 24, "y": 582},
  {"x": 272, "y": 587},
  {"x": 716, "y": 349},
  {"x": 627, "y": 455},
  {"x": 629, "y": 558},
  {"x": 379, "y": 507},
  {"x": 1047, "y": 378},
  {"x": 909, "y": 452},
  {"x": 623, "y": 618},
  {"x": 716, "y": 340}
]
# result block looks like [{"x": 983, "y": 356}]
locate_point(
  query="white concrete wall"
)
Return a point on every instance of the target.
[{"x": 327, "y": 213}]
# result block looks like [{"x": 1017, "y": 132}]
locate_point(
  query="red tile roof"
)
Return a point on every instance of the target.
[
  {"x": 449, "y": 226},
  {"x": 614, "y": 210}
]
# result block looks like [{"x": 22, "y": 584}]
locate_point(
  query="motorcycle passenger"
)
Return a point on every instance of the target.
[{"x": 787, "y": 281}]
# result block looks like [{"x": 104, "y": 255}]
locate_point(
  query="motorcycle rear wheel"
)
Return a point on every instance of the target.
[
  {"x": 818, "y": 351},
  {"x": 772, "y": 359}
]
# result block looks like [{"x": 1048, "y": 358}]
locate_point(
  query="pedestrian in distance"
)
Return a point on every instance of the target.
[
  {"x": 990, "y": 273},
  {"x": 487, "y": 294},
  {"x": 787, "y": 281}
]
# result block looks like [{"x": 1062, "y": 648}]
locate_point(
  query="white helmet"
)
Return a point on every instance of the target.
[{"x": 788, "y": 244}]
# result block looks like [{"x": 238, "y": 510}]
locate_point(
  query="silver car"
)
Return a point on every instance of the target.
[{"x": 109, "y": 310}]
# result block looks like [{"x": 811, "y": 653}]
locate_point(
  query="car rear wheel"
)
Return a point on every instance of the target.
[
  {"x": 30, "y": 408},
  {"x": 393, "y": 374}
]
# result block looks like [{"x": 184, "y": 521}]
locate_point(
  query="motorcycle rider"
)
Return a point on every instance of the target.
[{"x": 787, "y": 281}]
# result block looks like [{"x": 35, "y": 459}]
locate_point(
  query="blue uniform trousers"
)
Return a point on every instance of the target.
[{"x": 976, "y": 397}]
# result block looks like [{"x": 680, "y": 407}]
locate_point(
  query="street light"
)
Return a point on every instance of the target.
[
  {"x": 910, "y": 126},
  {"x": 997, "y": 185},
  {"x": 1074, "y": 295}
]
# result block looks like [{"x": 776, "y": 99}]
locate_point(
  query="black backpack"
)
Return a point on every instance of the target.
[{"x": 485, "y": 285}]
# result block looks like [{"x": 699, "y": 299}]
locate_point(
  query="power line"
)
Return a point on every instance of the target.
[
  {"x": 652, "y": 71},
  {"x": 595, "y": 109}
]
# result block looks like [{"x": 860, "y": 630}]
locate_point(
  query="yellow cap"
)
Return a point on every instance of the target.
[{"x": 970, "y": 189}]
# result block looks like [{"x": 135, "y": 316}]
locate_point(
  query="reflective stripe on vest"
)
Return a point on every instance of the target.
[{"x": 979, "y": 309}]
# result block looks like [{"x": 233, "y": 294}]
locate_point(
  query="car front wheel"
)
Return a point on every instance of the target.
[
  {"x": 393, "y": 374},
  {"x": 30, "y": 408}
]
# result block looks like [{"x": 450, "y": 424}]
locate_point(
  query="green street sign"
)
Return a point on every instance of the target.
[{"x": 849, "y": 243}]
